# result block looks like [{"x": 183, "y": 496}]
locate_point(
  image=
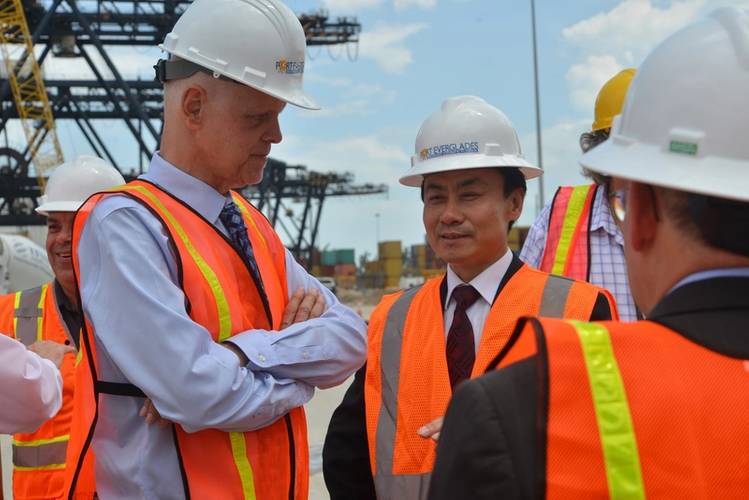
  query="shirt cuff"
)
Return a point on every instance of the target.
[{"x": 256, "y": 345}]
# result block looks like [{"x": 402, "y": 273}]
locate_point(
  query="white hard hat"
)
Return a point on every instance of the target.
[
  {"x": 259, "y": 43},
  {"x": 686, "y": 115},
  {"x": 466, "y": 132},
  {"x": 73, "y": 182}
]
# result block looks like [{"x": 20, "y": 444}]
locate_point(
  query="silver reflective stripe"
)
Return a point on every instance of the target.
[
  {"x": 43, "y": 455},
  {"x": 27, "y": 314},
  {"x": 390, "y": 361},
  {"x": 554, "y": 297},
  {"x": 402, "y": 487}
]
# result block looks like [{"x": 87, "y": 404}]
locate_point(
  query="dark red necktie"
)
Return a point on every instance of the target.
[{"x": 460, "y": 346}]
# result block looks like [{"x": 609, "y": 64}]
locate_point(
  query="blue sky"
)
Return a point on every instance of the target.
[{"x": 415, "y": 53}]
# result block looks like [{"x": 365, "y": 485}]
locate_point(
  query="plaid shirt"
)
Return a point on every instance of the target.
[{"x": 608, "y": 269}]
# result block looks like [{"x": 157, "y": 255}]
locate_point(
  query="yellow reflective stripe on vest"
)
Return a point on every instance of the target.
[
  {"x": 16, "y": 305},
  {"x": 222, "y": 305},
  {"x": 575, "y": 207},
  {"x": 242, "y": 208},
  {"x": 246, "y": 476},
  {"x": 42, "y": 454},
  {"x": 620, "y": 456},
  {"x": 40, "y": 319},
  {"x": 40, "y": 442},
  {"x": 237, "y": 439}
]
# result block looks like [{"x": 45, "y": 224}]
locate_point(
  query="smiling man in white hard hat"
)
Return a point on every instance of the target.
[
  {"x": 656, "y": 408},
  {"x": 47, "y": 320},
  {"x": 186, "y": 288},
  {"x": 427, "y": 340}
]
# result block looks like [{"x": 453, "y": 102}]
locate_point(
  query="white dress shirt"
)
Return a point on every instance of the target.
[
  {"x": 144, "y": 336},
  {"x": 487, "y": 284},
  {"x": 30, "y": 390}
]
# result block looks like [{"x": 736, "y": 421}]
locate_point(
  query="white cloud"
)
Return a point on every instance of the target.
[
  {"x": 561, "y": 153},
  {"x": 421, "y": 4},
  {"x": 385, "y": 45},
  {"x": 585, "y": 79},
  {"x": 130, "y": 62},
  {"x": 357, "y": 5},
  {"x": 375, "y": 158},
  {"x": 358, "y": 99},
  {"x": 631, "y": 28},
  {"x": 622, "y": 37},
  {"x": 350, "y": 5}
]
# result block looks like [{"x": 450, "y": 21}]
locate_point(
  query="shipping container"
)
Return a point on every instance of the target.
[
  {"x": 390, "y": 250},
  {"x": 329, "y": 257},
  {"x": 345, "y": 256},
  {"x": 345, "y": 282},
  {"x": 345, "y": 270},
  {"x": 392, "y": 267}
]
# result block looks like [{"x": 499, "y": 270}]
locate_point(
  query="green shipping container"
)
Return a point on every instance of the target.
[
  {"x": 345, "y": 256},
  {"x": 329, "y": 258}
]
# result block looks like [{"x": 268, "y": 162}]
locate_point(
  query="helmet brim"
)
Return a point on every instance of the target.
[
  {"x": 415, "y": 176},
  {"x": 58, "y": 206},
  {"x": 651, "y": 164}
]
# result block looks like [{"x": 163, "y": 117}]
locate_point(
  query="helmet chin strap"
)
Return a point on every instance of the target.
[{"x": 179, "y": 69}]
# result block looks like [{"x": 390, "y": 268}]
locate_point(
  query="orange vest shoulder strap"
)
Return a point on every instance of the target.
[{"x": 567, "y": 250}]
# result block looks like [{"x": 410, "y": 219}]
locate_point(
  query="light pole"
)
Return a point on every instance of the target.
[{"x": 539, "y": 152}]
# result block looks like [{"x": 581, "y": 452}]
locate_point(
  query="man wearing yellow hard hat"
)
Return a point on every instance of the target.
[{"x": 576, "y": 234}]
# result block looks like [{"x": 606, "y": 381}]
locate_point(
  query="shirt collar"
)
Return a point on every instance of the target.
[
  {"x": 602, "y": 218},
  {"x": 197, "y": 194},
  {"x": 486, "y": 283},
  {"x": 726, "y": 272}
]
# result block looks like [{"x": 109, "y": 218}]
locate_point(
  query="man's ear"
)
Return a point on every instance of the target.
[
  {"x": 641, "y": 221},
  {"x": 515, "y": 204},
  {"x": 194, "y": 101}
]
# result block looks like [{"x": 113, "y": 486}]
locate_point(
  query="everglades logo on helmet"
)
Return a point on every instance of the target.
[
  {"x": 449, "y": 149},
  {"x": 290, "y": 67}
]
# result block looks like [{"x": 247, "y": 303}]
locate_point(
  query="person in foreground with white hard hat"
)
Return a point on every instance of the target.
[
  {"x": 427, "y": 340},
  {"x": 654, "y": 408},
  {"x": 576, "y": 234},
  {"x": 48, "y": 318},
  {"x": 191, "y": 299}
]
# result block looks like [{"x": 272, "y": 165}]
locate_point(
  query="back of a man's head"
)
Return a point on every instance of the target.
[{"x": 718, "y": 223}]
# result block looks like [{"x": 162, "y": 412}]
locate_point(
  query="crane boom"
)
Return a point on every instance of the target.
[{"x": 27, "y": 86}]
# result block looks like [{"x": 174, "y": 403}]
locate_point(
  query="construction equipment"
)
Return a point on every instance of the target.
[
  {"x": 27, "y": 86},
  {"x": 86, "y": 29}
]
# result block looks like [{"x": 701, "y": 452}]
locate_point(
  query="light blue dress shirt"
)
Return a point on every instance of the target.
[{"x": 144, "y": 336}]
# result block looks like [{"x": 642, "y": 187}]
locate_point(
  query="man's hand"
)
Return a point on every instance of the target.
[
  {"x": 51, "y": 350},
  {"x": 432, "y": 429},
  {"x": 151, "y": 414},
  {"x": 303, "y": 305}
]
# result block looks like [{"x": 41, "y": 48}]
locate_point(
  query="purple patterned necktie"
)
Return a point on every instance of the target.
[
  {"x": 232, "y": 219},
  {"x": 460, "y": 352}
]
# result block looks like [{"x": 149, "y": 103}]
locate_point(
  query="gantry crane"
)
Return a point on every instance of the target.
[
  {"x": 24, "y": 77},
  {"x": 84, "y": 29}
]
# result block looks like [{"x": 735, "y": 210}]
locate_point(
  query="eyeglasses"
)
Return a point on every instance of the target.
[{"x": 618, "y": 202}]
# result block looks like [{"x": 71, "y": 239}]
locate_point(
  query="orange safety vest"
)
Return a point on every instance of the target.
[
  {"x": 269, "y": 463},
  {"x": 567, "y": 251},
  {"x": 636, "y": 410},
  {"x": 39, "y": 457},
  {"x": 407, "y": 383}
]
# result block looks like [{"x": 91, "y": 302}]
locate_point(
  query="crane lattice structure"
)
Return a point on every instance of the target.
[
  {"x": 24, "y": 77},
  {"x": 84, "y": 29}
]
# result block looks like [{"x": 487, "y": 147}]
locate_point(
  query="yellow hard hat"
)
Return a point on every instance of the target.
[{"x": 611, "y": 99}]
